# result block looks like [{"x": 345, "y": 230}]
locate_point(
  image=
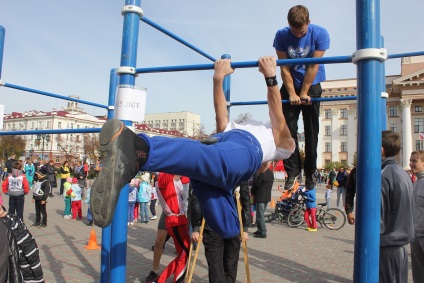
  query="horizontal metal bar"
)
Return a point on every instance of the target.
[
  {"x": 58, "y": 131},
  {"x": 247, "y": 64},
  {"x": 53, "y": 95},
  {"x": 408, "y": 54},
  {"x": 322, "y": 99},
  {"x": 177, "y": 38}
]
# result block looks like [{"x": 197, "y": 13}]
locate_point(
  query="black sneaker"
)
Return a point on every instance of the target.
[
  {"x": 42, "y": 226},
  {"x": 151, "y": 278},
  {"x": 122, "y": 154},
  {"x": 35, "y": 224},
  {"x": 257, "y": 232},
  {"x": 90, "y": 223},
  {"x": 262, "y": 236},
  {"x": 309, "y": 183},
  {"x": 290, "y": 183}
]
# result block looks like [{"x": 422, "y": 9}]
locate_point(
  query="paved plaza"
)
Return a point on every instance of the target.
[{"x": 286, "y": 255}]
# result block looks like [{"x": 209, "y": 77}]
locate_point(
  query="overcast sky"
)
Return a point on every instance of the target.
[{"x": 69, "y": 48}]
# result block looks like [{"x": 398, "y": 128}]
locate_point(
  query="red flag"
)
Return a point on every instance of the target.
[{"x": 421, "y": 136}]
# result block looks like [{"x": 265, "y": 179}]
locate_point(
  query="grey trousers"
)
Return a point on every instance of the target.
[
  {"x": 393, "y": 265},
  {"x": 4, "y": 253},
  {"x": 417, "y": 259}
]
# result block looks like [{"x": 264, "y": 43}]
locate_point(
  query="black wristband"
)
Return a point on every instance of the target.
[{"x": 271, "y": 81}]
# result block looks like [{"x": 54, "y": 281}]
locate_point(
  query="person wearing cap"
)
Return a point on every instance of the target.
[
  {"x": 10, "y": 162},
  {"x": 16, "y": 186},
  {"x": 39, "y": 198}
]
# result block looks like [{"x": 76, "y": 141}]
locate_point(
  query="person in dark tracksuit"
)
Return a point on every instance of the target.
[
  {"x": 396, "y": 222},
  {"x": 221, "y": 254}
]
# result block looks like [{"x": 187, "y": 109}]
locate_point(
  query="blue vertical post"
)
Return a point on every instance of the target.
[
  {"x": 2, "y": 36},
  {"x": 107, "y": 232},
  {"x": 367, "y": 234},
  {"x": 226, "y": 85},
  {"x": 118, "y": 255},
  {"x": 384, "y": 94}
]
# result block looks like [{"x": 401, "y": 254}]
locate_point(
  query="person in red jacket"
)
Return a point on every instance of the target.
[
  {"x": 173, "y": 197},
  {"x": 16, "y": 186}
]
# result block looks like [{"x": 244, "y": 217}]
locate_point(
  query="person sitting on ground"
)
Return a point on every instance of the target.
[{"x": 214, "y": 169}]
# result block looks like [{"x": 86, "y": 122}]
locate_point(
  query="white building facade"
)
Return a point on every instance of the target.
[{"x": 337, "y": 140}]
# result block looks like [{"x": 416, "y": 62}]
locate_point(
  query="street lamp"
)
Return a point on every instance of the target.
[{"x": 43, "y": 137}]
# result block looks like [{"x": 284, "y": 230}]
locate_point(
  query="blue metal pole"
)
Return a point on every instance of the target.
[
  {"x": 53, "y": 95},
  {"x": 367, "y": 235},
  {"x": 107, "y": 232},
  {"x": 2, "y": 37},
  {"x": 177, "y": 38},
  {"x": 61, "y": 131},
  {"x": 119, "y": 224}
]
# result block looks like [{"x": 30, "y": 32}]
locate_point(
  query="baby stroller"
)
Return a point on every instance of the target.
[{"x": 285, "y": 204}]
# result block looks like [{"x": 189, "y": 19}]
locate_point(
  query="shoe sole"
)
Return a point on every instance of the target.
[{"x": 119, "y": 166}]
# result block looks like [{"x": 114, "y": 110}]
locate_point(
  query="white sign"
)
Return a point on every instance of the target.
[
  {"x": 130, "y": 103},
  {"x": 1, "y": 117}
]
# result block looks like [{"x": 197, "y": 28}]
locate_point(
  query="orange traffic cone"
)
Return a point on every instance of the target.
[
  {"x": 92, "y": 243},
  {"x": 272, "y": 203}
]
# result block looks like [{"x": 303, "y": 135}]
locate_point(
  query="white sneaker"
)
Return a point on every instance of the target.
[{"x": 153, "y": 217}]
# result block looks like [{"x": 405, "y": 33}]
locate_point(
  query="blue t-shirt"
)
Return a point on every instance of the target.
[{"x": 316, "y": 38}]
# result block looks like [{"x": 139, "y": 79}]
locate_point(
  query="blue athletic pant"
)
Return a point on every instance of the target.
[{"x": 214, "y": 171}]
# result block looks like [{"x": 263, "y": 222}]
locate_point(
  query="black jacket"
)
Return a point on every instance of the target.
[
  {"x": 262, "y": 186},
  {"x": 9, "y": 164},
  {"x": 350, "y": 191},
  {"x": 196, "y": 214}
]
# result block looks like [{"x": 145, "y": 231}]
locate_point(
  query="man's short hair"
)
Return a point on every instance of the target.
[
  {"x": 298, "y": 16},
  {"x": 391, "y": 143}
]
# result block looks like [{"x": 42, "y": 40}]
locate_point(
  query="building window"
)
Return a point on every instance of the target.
[
  {"x": 327, "y": 162},
  {"x": 57, "y": 159},
  {"x": 327, "y": 114},
  {"x": 59, "y": 125},
  {"x": 328, "y": 130},
  {"x": 419, "y": 145},
  {"x": 418, "y": 108},
  {"x": 328, "y": 147},
  {"x": 418, "y": 125},
  {"x": 157, "y": 124},
  {"x": 393, "y": 128},
  {"x": 343, "y": 130},
  {"x": 343, "y": 113},
  {"x": 343, "y": 162},
  {"x": 343, "y": 147},
  {"x": 393, "y": 111},
  {"x": 72, "y": 125}
]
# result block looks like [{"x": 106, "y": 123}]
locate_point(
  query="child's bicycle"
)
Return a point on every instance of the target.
[{"x": 333, "y": 218}]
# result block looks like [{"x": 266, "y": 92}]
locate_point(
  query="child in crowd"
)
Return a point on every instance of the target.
[
  {"x": 143, "y": 196},
  {"x": 76, "y": 199},
  {"x": 153, "y": 198},
  {"x": 137, "y": 205},
  {"x": 87, "y": 201},
  {"x": 328, "y": 196},
  {"x": 310, "y": 198},
  {"x": 16, "y": 186},
  {"x": 132, "y": 199},
  {"x": 42, "y": 189},
  {"x": 67, "y": 191},
  {"x": 29, "y": 171}
]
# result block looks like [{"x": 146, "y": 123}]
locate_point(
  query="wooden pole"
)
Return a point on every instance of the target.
[{"x": 191, "y": 266}]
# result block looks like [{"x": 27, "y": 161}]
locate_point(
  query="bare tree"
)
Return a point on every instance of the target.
[
  {"x": 200, "y": 132},
  {"x": 91, "y": 146},
  {"x": 65, "y": 147},
  {"x": 243, "y": 117}
]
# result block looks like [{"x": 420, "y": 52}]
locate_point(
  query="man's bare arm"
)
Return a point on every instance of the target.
[
  {"x": 311, "y": 72},
  {"x": 222, "y": 68},
  {"x": 282, "y": 136},
  {"x": 288, "y": 80}
]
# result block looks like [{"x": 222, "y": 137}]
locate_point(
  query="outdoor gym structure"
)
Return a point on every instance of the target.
[{"x": 369, "y": 58}]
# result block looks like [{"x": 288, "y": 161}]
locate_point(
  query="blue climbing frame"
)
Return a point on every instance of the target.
[{"x": 371, "y": 120}]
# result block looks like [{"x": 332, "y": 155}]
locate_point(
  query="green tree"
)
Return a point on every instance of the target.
[
  {"x": 199, "y": 132},
  {"x": 354, "y": 160},
  {"x": 335, "y": 164},
  {"x": 12, "y": 144}
]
